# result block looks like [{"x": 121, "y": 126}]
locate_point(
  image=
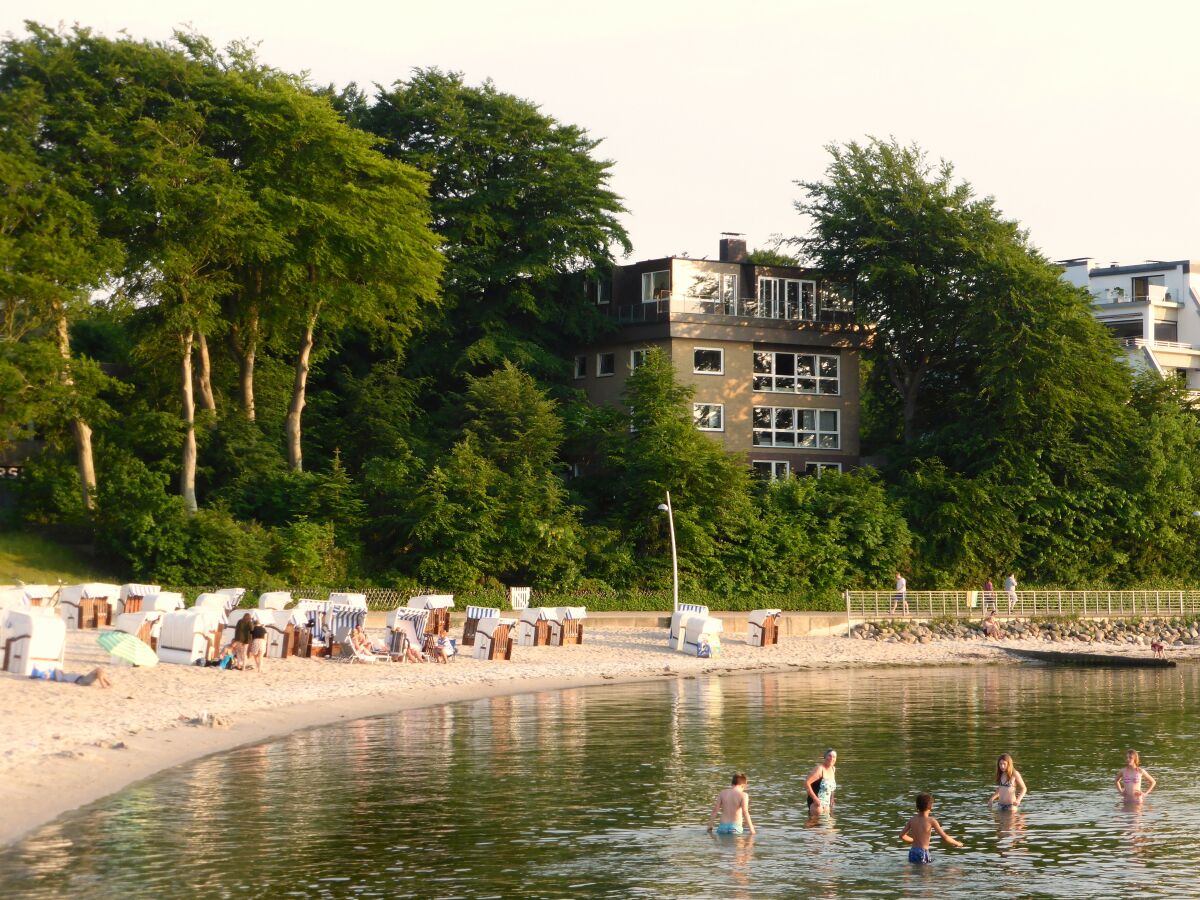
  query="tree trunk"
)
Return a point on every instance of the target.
[
  {"x": 187, "y": 477},
  {"x": 244, "y": 344},
  {"x": 299, "y": 385},
  {"x": 908, "y": 385},
  {"x": 207, "y": 400},
  {"x": 83, "y": 433}
]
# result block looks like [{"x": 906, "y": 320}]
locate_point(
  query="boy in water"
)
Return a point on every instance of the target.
[
  {"x": 920, "y": 828},
  {"x": 733, "y": 804}
]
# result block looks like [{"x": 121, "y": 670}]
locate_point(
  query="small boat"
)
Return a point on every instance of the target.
[{"x": 1103, "y": 660}]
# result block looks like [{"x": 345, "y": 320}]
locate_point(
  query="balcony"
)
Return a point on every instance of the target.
[{"x": 827, "y": 309}]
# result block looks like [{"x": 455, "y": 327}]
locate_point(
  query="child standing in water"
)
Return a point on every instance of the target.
[
  {"x": 920, "y": 828},
  {"x": 732, "y": 806},
  {"x": 1129, "y": 779},
  {"x": 1010, "y": 786}
]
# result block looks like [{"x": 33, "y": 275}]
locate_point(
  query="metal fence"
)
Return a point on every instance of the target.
[{"x": 1019, "y": 604}]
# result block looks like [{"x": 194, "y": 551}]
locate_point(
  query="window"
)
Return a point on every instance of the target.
[
  {"x": 656, "y": 285},
  {"x": 787, "y": 298},
  {"x": 817, "y": 468},
  {"x": 606, "y": 364},
  {"x": 778, "y": 426},
  {"x": 796, "y": 373},
  {"x": 709, "y": 416},
  {"x": 708, "y": 361},
  {"x": 716, "y": 293},
  {"x": 603, "y": 291},
  {"x": 581, "y": 366},
  {"x": 771, "y": 469},
  {"x": 637, "y": 359}
]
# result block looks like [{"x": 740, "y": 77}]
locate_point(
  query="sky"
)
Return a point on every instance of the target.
[{"x": 1080, "y": 118}]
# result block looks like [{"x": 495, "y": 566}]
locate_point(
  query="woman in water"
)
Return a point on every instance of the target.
[
  {"x": 1010, "y": 786},
  {"x": 821, "y": 783},
  {"x": 1129, "y": 779}
]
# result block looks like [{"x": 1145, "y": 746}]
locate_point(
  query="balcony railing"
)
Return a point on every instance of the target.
[
  {"x": 828, "y": 308},
  {"x": 1137, "y": 343}
]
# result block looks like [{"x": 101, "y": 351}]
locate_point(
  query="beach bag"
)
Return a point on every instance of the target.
[{"x": 703, "y": 650}]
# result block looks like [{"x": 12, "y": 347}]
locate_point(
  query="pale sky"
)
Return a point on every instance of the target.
[{"x": 1079, "y": 117}]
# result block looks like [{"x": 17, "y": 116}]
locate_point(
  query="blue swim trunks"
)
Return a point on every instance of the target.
[
  {"x": 918, "y": 855},
  {"x": 729, "y": 828}
]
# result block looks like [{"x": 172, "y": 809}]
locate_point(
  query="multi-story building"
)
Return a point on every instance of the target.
[
  {"x": 1152, "y": 308},
  {"x": 771, "y": 351}
]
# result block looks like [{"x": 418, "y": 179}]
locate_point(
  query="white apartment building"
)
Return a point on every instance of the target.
[{"x": 1152, "y": 308}]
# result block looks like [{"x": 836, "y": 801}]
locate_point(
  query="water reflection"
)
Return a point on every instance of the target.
[{"x": 605, "y": 792}]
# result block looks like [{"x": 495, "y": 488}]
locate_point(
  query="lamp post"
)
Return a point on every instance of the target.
[{"x": 666, "y": 507}]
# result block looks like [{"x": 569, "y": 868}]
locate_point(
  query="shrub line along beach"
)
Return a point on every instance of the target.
[{"x": 65, "y": 746}]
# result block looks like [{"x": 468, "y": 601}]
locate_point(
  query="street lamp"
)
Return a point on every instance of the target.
[{"x": 666, "y": 507}]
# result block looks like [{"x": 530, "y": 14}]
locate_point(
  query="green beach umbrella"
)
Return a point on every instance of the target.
[{"x": 128, "y": 647}]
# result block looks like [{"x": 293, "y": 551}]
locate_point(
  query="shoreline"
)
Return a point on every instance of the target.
[{"x": 78, "y": 745}]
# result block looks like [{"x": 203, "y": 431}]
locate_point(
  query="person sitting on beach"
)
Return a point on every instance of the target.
[
  {"x": 821, "y": 783},
  {"x": 258, "y": 644},
  {"x": 438, "y": 650},
  {"x": 1010, "y": 786},
  {"x": 919, "y": 829},
  {"x": 732, "y": 806},
  {"x": 989, "y": 625},
  {"x": 1129, "y": 779}
]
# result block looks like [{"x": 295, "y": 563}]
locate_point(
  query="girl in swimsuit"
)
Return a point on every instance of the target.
[
  {"x": 1129, "y": 779},
  {"x": 821, "y": 783},
  {"x": 1010, "y": 786}
]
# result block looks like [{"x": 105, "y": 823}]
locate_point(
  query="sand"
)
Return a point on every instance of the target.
[{"x": 63, "y": 746}]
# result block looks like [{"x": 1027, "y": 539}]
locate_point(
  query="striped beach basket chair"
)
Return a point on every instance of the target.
[
  {"x": 679, "y": 619},
  {"x": 493, "y": 638},
  {"x": 474, "y": 615},
  {"x": 535, "y": 625},
  {"x": 131, "y": 596},
  {"x": 88, "y": 605}
]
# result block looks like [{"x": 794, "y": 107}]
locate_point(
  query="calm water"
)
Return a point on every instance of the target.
[{"x": 604, "y": 792}]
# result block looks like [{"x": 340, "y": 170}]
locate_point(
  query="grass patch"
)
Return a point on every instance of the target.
[{"x": 36, "y": 560}]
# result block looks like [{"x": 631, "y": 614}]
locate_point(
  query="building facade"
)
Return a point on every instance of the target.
[
  {"x": 772, "y": 353},
  {"x": 1152, "y": 308}
]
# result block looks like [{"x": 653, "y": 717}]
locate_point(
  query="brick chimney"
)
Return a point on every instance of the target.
[{"x": 733, "y": 247}]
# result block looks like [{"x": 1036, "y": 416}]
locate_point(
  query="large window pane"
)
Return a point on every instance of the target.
[
  {"x": 829, "y": 420},
  {"x": 708, "y": 361},
  {"x": 785, "y": 364},
  {"x": 785, "y": 419},
  {"x": 829, "y": 367},
  {"x": 804, "y": 366},
  {"x": 762, "y": 362},
  {"x": 762, "y": 417}
]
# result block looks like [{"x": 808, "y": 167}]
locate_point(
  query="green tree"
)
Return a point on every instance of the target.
[
  {"x": 910, "y": 242},
  {"x": 497, "y": 509},
  {"x": 520, "y": 200}
]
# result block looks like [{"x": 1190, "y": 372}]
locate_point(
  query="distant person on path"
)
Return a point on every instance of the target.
[
  {"x": 901, "y": 595},
  {"x": 918, "y": 830},
  {"x": 258, "y": 644},
  {"x": 732, "y": 807},
  {"x": 1010, "y": 786},
  {"x": 821, "y": 783},
  {"x": 1010, "y": 590},
  {"x": 1129, "y": 779},
  {"x": 989, "y": 595}
]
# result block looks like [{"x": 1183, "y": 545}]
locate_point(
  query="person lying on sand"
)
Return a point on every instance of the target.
[{"x": 98, "y": 677}]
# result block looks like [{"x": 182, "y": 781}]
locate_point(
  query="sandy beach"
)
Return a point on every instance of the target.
[{"x": 64, "y": 746}]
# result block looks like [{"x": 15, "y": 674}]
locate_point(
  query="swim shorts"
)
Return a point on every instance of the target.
[
  {"x": 729, "y": 828},
  {"x": 918, "y": 855}
]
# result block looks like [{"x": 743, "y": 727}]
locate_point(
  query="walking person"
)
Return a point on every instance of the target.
[
  {"x": 989, "y": 595},
  {"x": 901, "y": 595},
  {"x": 1010, "y": 590}
]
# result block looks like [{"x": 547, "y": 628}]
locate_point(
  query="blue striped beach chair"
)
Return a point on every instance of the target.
[
  {"x": 474, "y": 615},
  {"x": 679, "y": 620}
]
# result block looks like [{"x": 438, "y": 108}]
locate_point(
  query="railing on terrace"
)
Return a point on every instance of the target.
[
  {"x": 828, "y": 308},
  {"x": 1136, "y": 343},
  {"x": 875, "y": 605}
]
